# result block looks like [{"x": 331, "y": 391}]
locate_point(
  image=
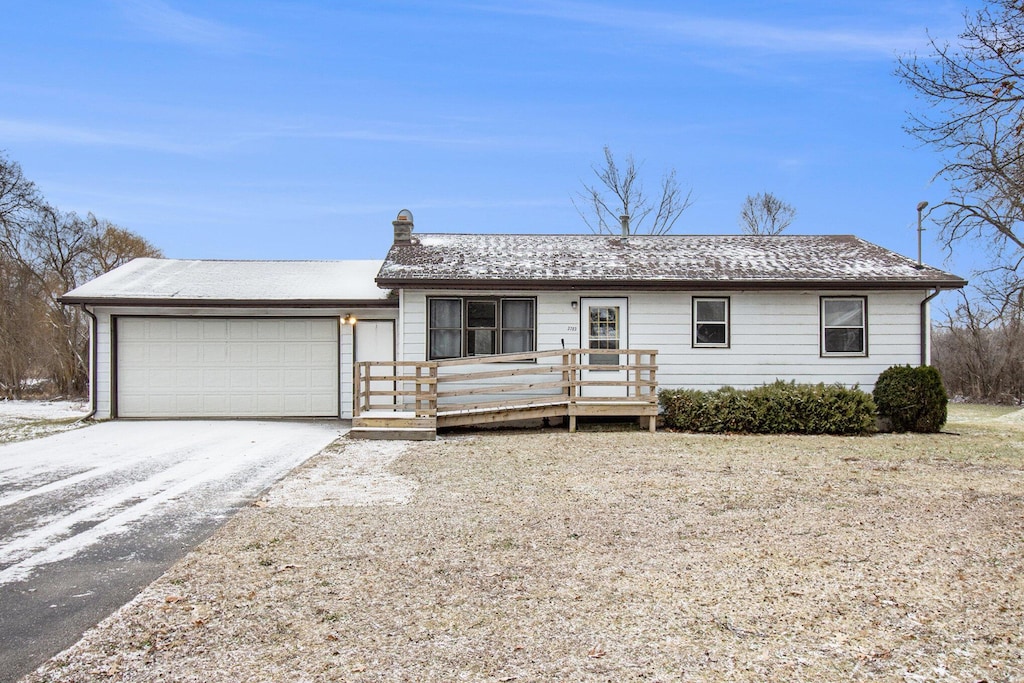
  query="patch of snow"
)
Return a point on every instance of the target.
[
  {"x": 181, "y": 279},
  {"x": 1014, "y": 417},
  {"x": 353, "y": 475},
  {"x": 11, "y": 410}
]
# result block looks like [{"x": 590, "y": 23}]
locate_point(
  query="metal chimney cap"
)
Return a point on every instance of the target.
[{"x": 405, "y": 215}]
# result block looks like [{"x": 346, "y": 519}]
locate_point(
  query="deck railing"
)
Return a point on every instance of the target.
[{"x": 507, "y": 381}]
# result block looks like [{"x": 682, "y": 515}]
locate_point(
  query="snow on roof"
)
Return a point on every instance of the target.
[
  {"x": 148, "y": 280},
  {"x": 645, "y": 260}
]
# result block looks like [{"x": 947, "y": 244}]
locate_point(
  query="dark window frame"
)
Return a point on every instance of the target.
[
  {"x": 694, "y": 342},
  {"x": 822, "y": 327},
  {"x": 498, "y": 329}
]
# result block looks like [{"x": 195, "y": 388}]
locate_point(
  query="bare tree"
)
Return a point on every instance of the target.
[
  {"x": 44, "y": 253},
  {"x": 620, "y": 192},
  {"x": 765, "y": 214},
  {"x": 973, "y": 93},
  {"x": 979, "y": 348},
  {"x": 112, "y": 246}
]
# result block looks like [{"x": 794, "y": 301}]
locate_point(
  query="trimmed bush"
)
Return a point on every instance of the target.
[
  {"x": 911, "y": 399},
  {"x": 778, "y": 408}
]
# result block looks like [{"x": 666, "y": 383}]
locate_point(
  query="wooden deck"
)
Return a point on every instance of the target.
[{"x": 412, "y": 399}]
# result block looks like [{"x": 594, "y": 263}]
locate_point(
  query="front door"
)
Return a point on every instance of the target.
[
  {"x": 375, "y": 340},
  {"x": 604, "y": 329}
]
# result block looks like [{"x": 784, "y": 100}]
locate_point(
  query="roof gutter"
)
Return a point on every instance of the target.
[
  {"x": 93, "y": 358},
  {"x": 926, "y": 327},
  {"x": 667, "y": 285},
  {"x": 231, "y": 303}
]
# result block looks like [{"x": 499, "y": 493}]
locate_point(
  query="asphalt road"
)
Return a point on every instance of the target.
[{"x": 88, "y": 518}]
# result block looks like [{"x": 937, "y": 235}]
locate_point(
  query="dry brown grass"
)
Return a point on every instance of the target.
[{"x": 608, "y": 556}]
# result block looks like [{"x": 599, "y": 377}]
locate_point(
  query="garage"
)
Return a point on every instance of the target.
[{"x": 226, "y": 366}]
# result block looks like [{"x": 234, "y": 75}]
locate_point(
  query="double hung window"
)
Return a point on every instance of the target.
[
  {"x": 844, "y": 326},
  {"x": 711, "y": 322},
  {"x": 479, "y": 326}
]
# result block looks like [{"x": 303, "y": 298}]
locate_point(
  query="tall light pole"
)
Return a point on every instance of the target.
[{"x": 920, "y": 228}]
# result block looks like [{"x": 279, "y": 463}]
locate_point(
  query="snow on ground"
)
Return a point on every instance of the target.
[
  {"x": 42, "y": 410},
  {"x": 1015, "y": 417},
  {"x": 22, "y": 420},
  {"x": 353, "y": 473},
  {"x": 62, "y": 494}
]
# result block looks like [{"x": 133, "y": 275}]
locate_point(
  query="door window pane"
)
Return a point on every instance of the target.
[{"x": 603, "y": 333}]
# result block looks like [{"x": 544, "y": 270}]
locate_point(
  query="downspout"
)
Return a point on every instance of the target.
[
  {"x": 93, "y": 357},
  {"x": 926, "y": 325}
]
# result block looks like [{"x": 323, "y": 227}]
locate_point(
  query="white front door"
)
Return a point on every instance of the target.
[
  {"x": 375, "y": 340},
  {"x": 604, "y": 328}
]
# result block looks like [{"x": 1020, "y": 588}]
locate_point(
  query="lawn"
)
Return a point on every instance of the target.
[{"x": 604, "y": 556}]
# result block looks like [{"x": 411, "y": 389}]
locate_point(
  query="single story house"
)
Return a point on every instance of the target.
[{"x": 181, "y": 338}]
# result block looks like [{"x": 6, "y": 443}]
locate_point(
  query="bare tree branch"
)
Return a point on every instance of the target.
[
  {"x": 974, "y": 116},
  {"x": 45, "y": 252},
  {"x": 765, "y": 214},
  {"x": 620, "y": 192}
]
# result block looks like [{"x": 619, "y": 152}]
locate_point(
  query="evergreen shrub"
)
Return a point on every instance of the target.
[
  {"x": 911, "y": 399},
  {"x": 777, "y": 408}
]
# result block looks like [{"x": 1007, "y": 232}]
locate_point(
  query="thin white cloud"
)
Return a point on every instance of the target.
[
  {"x": 704, "y": 30},
  {"x": 32, "y": 131},
  {"x": 56, "y": 133},
  {"x": 162, "y": 21}
]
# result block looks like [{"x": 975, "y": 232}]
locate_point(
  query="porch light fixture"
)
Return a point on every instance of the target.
[
  {"x": 575, "y": 305},
  {"x": 349, "y": 319}
]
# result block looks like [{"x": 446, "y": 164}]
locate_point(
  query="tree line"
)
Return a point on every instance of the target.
[{"x": 45, "y": 252}]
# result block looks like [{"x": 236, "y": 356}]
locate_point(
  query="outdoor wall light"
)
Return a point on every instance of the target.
[
  {"x": 349, "y": 319},
  {"x": 575, "y": 305}
]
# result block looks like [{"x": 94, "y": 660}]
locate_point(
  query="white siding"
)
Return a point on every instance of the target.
[
  {"x": 103, "y": 371},
  {"x": 774, "y": 335}
]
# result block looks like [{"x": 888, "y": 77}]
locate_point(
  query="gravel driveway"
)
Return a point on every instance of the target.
[{"x": 88, "y": 517}]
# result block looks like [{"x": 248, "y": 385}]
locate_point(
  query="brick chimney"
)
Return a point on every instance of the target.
[{"x": 403, "y": 227}]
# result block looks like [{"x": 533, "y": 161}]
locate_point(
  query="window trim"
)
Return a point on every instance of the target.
[
  {"x": 863, "y": 353},
  {"x": 694, "y": 322},
  {"x": 499, "y": 302}
]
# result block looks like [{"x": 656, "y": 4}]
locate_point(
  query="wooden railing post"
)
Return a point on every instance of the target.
[
  {"x": 357, "y": 394},
  {"x": 432, "y": 406},
  {"x": 418, "y": 396}
]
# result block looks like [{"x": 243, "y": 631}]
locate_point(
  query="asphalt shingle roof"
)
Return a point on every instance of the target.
[{"x": 666, "y": 261}]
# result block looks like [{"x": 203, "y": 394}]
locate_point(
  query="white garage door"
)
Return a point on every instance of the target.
[{"x": 227, "y": 367}]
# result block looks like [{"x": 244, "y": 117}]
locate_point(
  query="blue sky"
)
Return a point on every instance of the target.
[{"x": 258, "y": 129}]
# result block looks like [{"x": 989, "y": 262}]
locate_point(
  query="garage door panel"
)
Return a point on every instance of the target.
[
  {"x": 215, "y": 379},
  {"x": 221, "y": 367},
  {"x": 187, "y": 353},
  {"x": 214, "y": 353},
  {"x": 241, "y": 329},
  {"x": 268, "y": 353},
  {"x": 268, "y": 330}
]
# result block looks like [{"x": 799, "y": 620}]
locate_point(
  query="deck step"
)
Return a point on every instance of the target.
[
  {"x": 397, "y": 421},
  {"x": 394, "y": 433}
]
